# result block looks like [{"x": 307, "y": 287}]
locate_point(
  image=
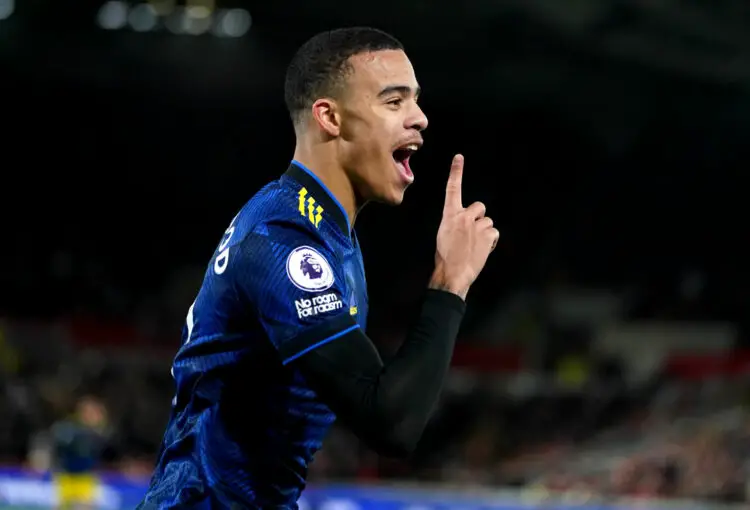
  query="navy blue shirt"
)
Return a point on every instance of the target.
[
  {"x": 78, "y": 448},
  {"x": 286, "y": 277}
]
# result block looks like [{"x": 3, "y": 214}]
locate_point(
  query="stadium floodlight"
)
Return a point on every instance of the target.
[{"x": 6, "y": 8}]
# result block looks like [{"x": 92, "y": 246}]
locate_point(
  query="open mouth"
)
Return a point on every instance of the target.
[{"x": 401, "y": 158}]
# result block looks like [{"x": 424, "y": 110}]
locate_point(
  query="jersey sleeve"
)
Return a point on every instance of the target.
[{"x": 295, "y": 281}]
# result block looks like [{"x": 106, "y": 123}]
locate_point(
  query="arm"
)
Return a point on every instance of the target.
[{"x": 388, "y": 405}]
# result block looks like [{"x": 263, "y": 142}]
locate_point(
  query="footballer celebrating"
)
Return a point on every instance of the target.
[{"x": 274, "y": 346}]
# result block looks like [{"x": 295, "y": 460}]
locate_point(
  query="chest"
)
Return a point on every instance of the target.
[{"x": 356, "y": 284}]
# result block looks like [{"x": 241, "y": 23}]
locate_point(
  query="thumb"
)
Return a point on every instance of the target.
[{"x": 453, "y": 200}]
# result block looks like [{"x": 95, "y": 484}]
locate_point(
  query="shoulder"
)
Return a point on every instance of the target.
[
  {"x": 270, "y": 233},
  {"x": 284, "y": 214}
]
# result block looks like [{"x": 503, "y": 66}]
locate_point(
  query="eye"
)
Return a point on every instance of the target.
[{"x": 396, "y": 102}]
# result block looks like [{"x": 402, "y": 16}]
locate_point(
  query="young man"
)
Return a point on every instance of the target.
[{"x": 274, "y": 345}]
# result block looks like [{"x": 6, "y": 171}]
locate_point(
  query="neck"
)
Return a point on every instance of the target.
[{"x": 324, "y": 165}]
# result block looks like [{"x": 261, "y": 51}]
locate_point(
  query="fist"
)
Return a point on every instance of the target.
[{"x": 465, "y": 239}]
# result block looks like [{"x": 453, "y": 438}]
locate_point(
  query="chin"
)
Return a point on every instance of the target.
[
  {"x": 395, "y": 201},
  {"x": 393, "y": 197}
]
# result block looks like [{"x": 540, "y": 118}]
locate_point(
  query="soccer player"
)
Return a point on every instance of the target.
[
  {"x": 78, "y": 444},
  {"x": 274, "y": 348}
]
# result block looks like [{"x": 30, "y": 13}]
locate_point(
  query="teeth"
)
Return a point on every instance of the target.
[{"x": 412, "y": 147}]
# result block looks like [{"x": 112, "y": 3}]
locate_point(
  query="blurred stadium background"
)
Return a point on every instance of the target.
[{"x": 605, "y": 359}]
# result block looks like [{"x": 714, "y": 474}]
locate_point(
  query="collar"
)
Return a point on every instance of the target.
[{"x": 332, "y": 208}]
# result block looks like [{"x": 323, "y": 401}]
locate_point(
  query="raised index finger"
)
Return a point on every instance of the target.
[{"x": 453, "y": 188}]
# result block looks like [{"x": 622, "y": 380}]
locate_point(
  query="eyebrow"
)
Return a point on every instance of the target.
[{"x": 404, "y": 90}]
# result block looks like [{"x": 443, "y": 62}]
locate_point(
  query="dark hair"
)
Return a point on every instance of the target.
[{"x": 321, "y": 65}]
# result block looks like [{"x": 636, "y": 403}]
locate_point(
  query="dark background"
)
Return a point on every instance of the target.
[
  {"x": 607, "y": 138},
  {"x": 616, "y": 167}
]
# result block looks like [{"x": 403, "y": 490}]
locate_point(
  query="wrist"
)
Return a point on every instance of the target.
[{"x": 440, "y": 281}]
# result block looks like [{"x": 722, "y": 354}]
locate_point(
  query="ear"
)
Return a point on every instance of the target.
[{"x": 327, "y": 116}]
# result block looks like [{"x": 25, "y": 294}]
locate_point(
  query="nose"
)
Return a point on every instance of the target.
[{"x": 418, "y": 120}]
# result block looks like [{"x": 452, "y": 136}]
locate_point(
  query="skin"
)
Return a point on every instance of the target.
[
  {"x": 91, "y": 412},
  {"x": 348, "y": 141}
]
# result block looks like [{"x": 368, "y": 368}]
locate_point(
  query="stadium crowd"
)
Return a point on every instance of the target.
[
  {"x": 668, "y": 438},
  {"x": 597, "y": 437}
]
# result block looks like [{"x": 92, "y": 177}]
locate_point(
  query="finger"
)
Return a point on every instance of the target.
[
  {"x": 485, "y": 223},
  {"x": 476, "y": 210},
  {"x": 495, "y": 238},
  {"x": 453, "y": 201}
]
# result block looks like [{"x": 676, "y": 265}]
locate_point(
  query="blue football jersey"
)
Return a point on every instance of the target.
[{"x": 286, "y": 277}]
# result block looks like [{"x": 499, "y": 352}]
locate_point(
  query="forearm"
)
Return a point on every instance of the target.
[
  {"x": 412, "y": 381},
  {"x": 388, "y": 405}
]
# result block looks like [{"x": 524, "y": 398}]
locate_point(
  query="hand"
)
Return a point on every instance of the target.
[{"x": 465, "y": 239}]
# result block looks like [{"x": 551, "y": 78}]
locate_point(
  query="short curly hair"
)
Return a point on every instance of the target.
[{"x": 321, "y": 65}]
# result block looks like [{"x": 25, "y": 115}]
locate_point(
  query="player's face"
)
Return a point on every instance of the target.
[
  {"x": 91, "y": 412},
  {"x": 381, "y": 124}
]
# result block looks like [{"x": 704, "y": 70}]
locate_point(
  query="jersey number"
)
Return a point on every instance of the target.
[
  {"x": 222, "y": 260},
  {"x": 189, "y": 323},
  {"x": 220, "y": 265}
]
